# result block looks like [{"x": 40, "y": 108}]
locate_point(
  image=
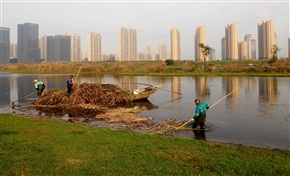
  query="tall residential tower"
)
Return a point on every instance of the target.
[
  {"x": 43, "y": 47},
  {"x": 4, "y": 45},
  {"x": 127, "y": 45},
  {"x": 199, "y": 38},
  {"x": 27, "y": 43},
  {"x": 232, "y": 45},
  {"x": 95, "y": 47},
  {"x": 58, "y": 48},
  {"x": 251, "y": 47},
  {"x": 75, "y": 48},
  {"x": 162, "y": 51},
  {"x": 266, "y": 39},
  {"x": 175, "y": 44},
  {"x": 288, "y": 47}
]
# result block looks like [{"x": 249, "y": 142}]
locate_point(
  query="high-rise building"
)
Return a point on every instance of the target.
[
  {"x": 223, "y": 44},
  {"x": 58, "y": 48},
  {"x": 175, "y": 44},
  {"x": 162, "y": 51},
  {"x": 4, "y": 45},
  {"x": 251, "y": 47},
  {"x": 75, "y": 48},
  {"x": 27, "y": 43},
  {"x": 148, "y": 49},
  {"x": 95, "y": 47},
  {"x": 84, "y": 56},
  {"x": 199, "y": 38},
  {"x": 212, "y": 55},
  {"x": 232, "y": 45},
  {"x": 43, "y": 47},
  {"x": 13, "y": 50},
  {"x": 127, "y": 44},
  {"x": 289, "y": 48},
  {"x": 266, "y": 39},
  {"x": 243, "y": 50},
  {"x": 148, "y": 53}
]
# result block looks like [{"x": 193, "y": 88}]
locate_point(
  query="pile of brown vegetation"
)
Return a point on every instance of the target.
[
  {"x": 86, "y": 100},
  {"x": 107, "y": 95},
  {"x": 127, "y": 117},
  {"x": 100, "y": 102}
]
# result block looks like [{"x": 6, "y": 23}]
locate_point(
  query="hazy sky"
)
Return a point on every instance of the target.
[{"x": 153, "y": 20}]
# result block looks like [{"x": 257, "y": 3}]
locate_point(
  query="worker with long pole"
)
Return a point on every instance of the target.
[{"x": 202, "y": 110}]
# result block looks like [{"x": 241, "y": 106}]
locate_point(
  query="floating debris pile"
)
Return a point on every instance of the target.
[
  {"x": 107, "y": 95},
  {"x": 166, "y": 127},
  {"x": 127, "y": 117},
  {"x": 101, "y": 102},
  {"x": 87, "y": 99},
  {"x": 53, "y": 97}
]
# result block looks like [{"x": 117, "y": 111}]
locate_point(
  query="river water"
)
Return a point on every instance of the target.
[{"x": 257, "y": 114}]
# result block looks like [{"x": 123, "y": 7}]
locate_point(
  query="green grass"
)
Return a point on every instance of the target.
[{"x": 40, "y": 146}]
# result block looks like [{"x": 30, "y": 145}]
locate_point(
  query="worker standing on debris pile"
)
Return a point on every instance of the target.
[
  {"x": 200, "y": 114},
  {"x": 39, "y": 86},
  {"x": 69, "y": 84}
]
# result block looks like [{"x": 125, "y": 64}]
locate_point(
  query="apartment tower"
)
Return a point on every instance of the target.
[
  {"x": 232, "y": 45},
  {"x": 289, "y": 48},
  {"x": 243, "y": 50},
  {"x": 58, "y": 48},
  {"x": 127, "y": 44},
  {"x": 4, "y": 45},
  {"x": 13, "y": 50},
  {"x": 251, "y": 47},
  {"x": 162, "y": 51},
  {"x": 75, "y": 48},
  {"x": 175, "y": 44},
  {"x": 95, "y": 47},
  {"x": 266, "y": 39},
  {"x": 223, "y": 44},
  {"x": 27, "y": 43},
  {"x": 199, "y": 38},
  {"x": 212, "y": 55},
  {"x": 43, "y": 47}
]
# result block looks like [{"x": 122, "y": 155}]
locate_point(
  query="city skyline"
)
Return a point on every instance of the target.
[{"x": 152, "y": 20}]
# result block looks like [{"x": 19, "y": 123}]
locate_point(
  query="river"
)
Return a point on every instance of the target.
[{"x": 257, "y": 114}]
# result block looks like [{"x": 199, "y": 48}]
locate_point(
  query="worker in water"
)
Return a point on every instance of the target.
[
  {"x": 69, "y": 84},
  {"x": 200, "y": 114},
  {"x": 39, "y": 86}
]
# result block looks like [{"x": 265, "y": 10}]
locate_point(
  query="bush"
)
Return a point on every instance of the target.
[{"x": 169, "y": 62}]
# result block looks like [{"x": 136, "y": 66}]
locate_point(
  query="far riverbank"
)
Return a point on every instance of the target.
[{"x": 280, "y": 68}]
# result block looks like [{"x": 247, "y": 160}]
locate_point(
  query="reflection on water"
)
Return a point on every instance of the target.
[{"x": 255, "y": 115}]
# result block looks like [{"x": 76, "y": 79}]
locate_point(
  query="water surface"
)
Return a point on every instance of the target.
[{"x": 257, "y": 114}]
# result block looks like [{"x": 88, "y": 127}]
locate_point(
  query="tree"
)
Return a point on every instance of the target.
[
  {"x": 169, "y": 62},
  {"x": 274, "y": 53},
  {"x": 205, "y": 49}
]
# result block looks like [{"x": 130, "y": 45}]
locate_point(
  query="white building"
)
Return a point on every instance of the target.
[
  {"x": 199, "y": 38},
  {"x": 127, "y": 45},
  {"x": 95, "y": 47}
]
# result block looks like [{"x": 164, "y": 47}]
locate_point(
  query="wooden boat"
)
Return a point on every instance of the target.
[{"x": 143, "y": 94}]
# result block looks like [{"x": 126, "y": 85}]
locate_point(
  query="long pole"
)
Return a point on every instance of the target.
[
  {"x": 209, "y": 108},
  {"x": 78, "y": 74},
  {"x": 23, "y": 97},
  {"x": 222, "y": 98}
]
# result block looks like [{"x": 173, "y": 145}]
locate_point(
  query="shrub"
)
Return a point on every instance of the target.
[{"x": 169, "y": 62}]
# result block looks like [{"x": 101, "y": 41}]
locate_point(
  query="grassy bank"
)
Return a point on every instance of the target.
[
  {"x": 45, "y": 147},
  {"x": 160, "y": 68}
]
